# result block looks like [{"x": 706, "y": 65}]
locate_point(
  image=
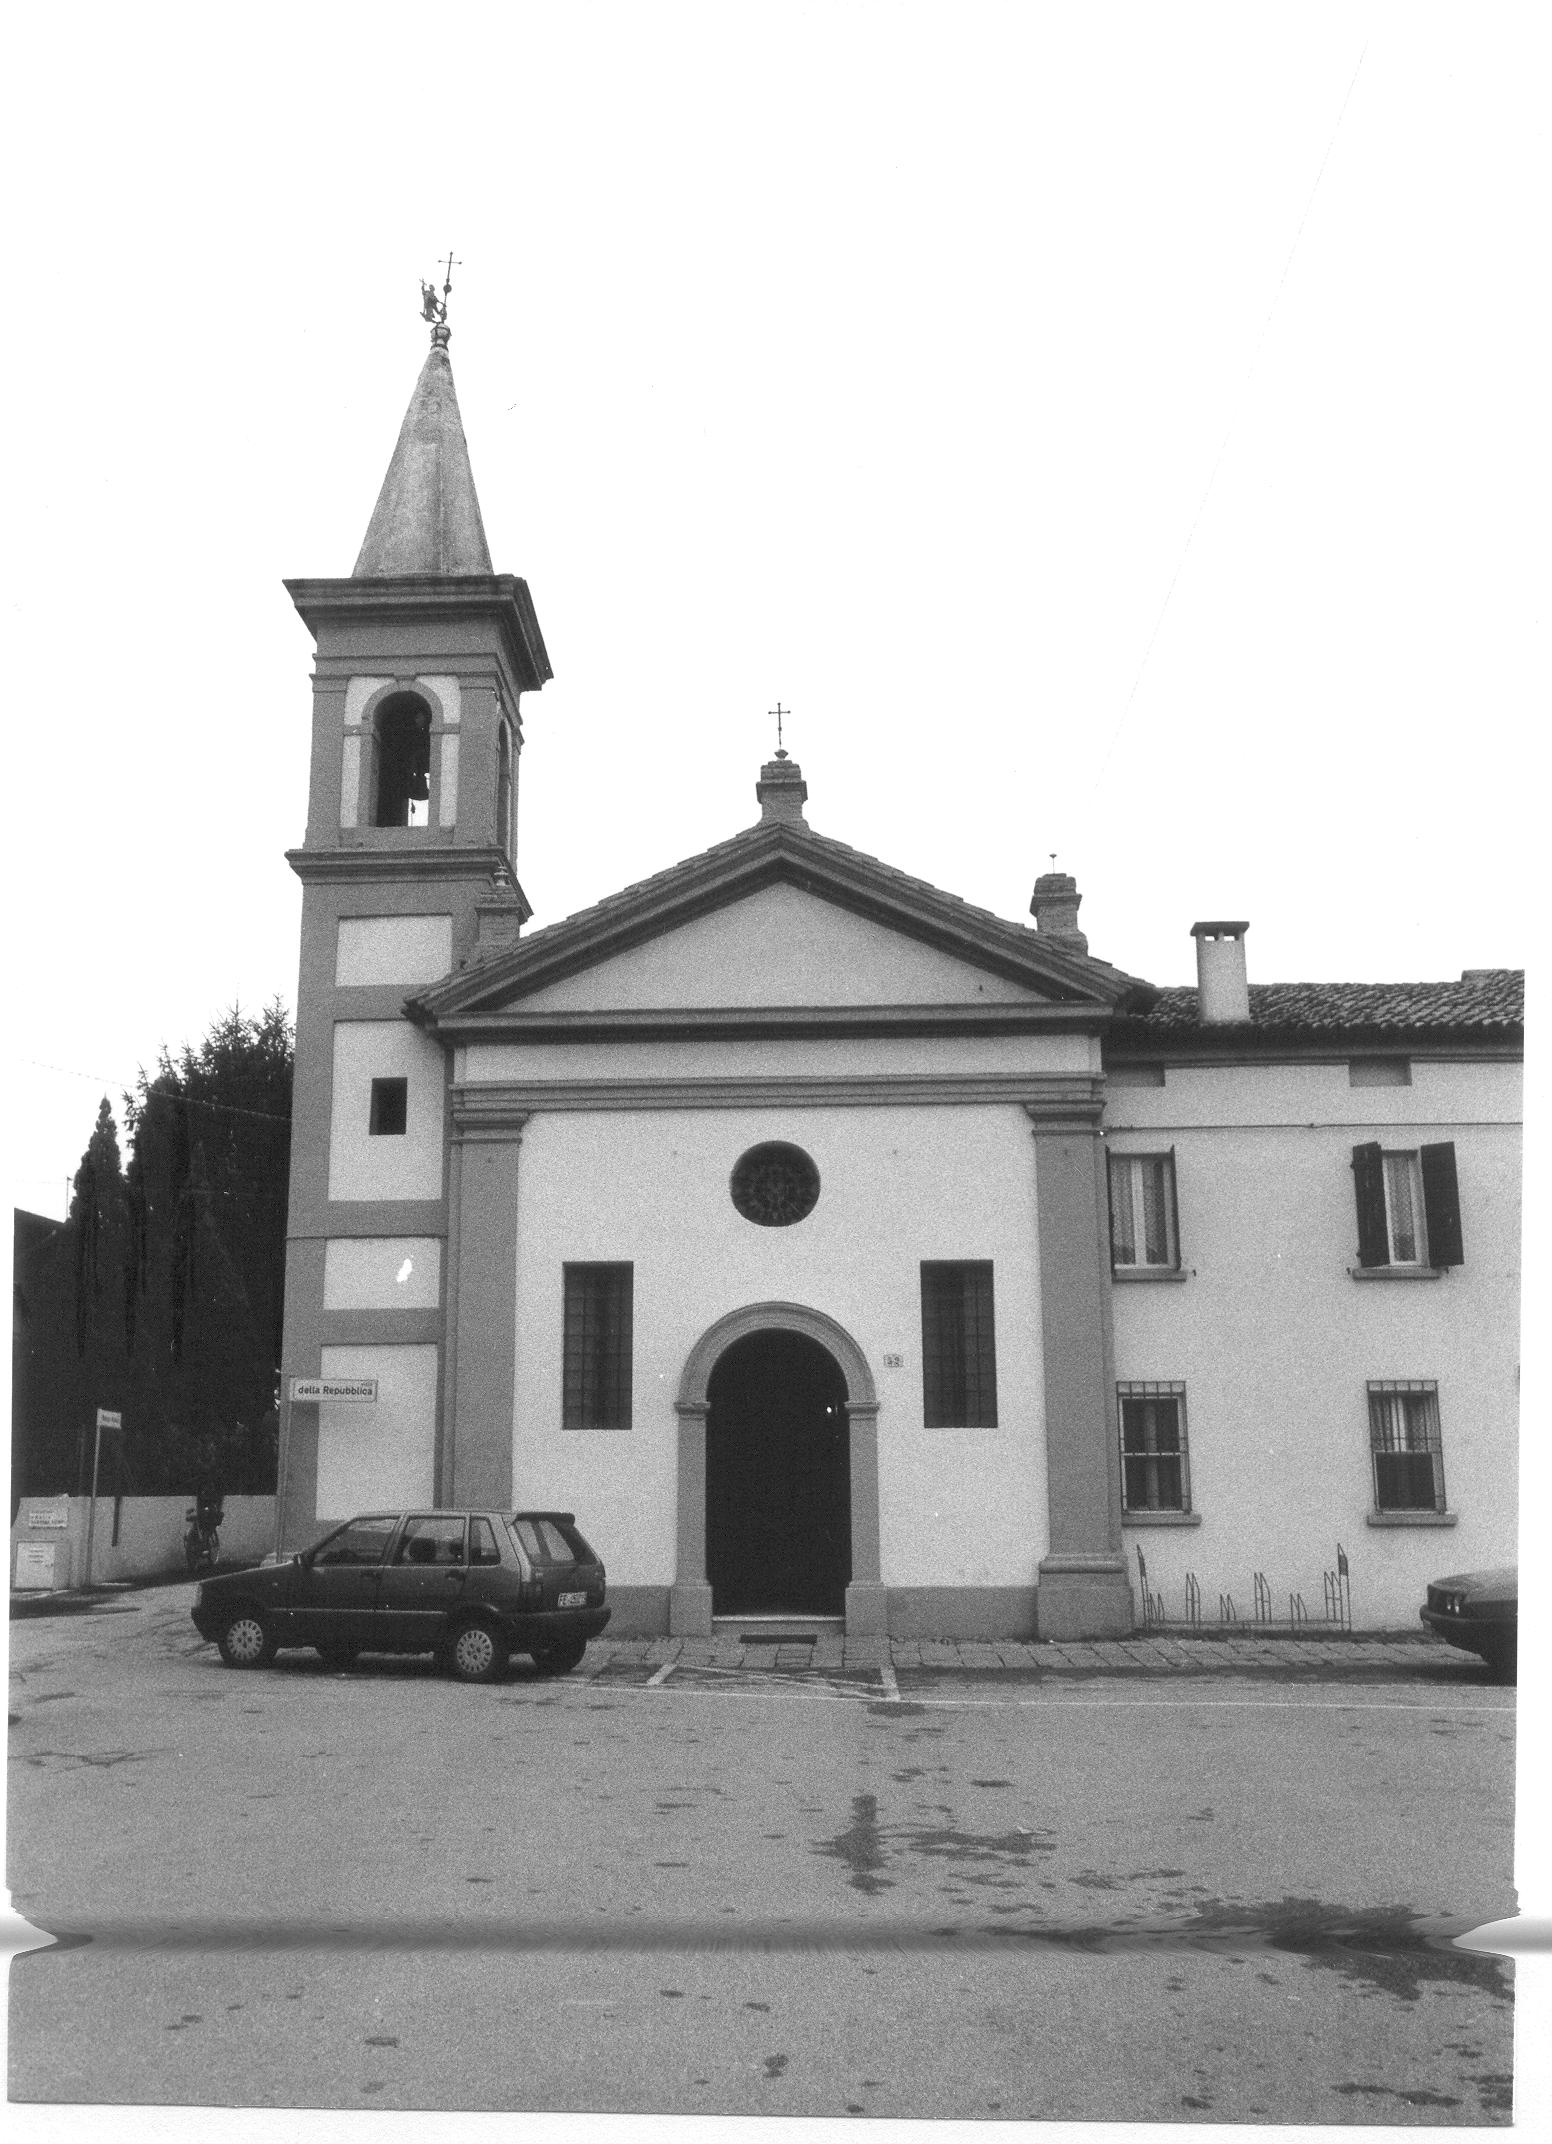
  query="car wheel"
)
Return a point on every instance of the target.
[
  {"x": 559, "y": 1659},
  {"x": 476, "y": 1654},
  {"x": 1501, "y": 1660},
  {"x": 246, "y": 1640},
  {"x": 337, "y": 1656}
]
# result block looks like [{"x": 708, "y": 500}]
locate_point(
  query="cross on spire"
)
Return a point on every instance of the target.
[{"x": 778, "y": 711}]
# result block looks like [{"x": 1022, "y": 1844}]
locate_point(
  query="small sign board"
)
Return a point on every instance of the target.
[
  {"x": 39, "y": 1513},
  {"x": 362, "y": 1389},
  {"x": 109, "y": 1418},
  {"x": 35, "y": 1566}
]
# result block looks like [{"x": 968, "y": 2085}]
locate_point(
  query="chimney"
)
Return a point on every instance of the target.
[
  {"x": 1055, "y": 910},
  {"x": 500, "y": 917},
  {"x": 782, "y": 792},
  {"x": 1222, "y": 990}
]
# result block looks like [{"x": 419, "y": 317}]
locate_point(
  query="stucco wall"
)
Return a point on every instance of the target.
[
  {"x": 150, "y": 1536},
  {"x": 780, "y": 946},
  {"x": 958, "y": 1506},
  {"x": 1276, "y": 1342},
  {"x": 405, "y": 1165}
]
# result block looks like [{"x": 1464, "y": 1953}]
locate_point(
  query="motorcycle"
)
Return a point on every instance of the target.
[{"x": 202, "y": 1542}]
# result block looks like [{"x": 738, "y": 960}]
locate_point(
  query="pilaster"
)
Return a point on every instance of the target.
[
  {"x": 1084, "y": 1591},
  {"x": 475, "y": 1459}
]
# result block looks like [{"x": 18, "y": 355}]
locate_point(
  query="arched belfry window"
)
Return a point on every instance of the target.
[
  {"x": 504, "y": 790},
  {"x": 403, "y": 762}
]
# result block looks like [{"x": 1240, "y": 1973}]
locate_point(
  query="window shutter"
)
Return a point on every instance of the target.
[
  {"x": 1173, "y": 1195},
  {"x": 1441, "y": 1204},
  {"x": 1369, "y": 1184}
]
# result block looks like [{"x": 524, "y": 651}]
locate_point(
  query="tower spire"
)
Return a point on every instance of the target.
[{"x": 427, "y": 517}]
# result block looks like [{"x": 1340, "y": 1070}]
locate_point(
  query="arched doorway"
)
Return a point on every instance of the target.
[{"x": 778, "y": 1478}]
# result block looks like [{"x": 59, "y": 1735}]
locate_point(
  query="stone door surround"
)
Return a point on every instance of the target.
[{"x": 689, "y": 1600}]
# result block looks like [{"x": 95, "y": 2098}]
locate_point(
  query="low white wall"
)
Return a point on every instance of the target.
[{"x": 150, "y": 1535}]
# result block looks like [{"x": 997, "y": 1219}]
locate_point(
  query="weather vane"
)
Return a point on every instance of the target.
[
  {"x": 432, "y": 307},
  {"x": 778, "y": 711}
]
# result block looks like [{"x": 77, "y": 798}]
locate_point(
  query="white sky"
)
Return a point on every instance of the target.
[{"x": 1112, "y": 431}]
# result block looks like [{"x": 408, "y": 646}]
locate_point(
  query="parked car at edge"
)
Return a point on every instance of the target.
[
  {"x": 473, "y": 1587},
  {"x": 1478, "y": 1611}
]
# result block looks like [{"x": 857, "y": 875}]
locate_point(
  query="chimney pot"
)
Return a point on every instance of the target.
[{"x": 1222, "y": 989}]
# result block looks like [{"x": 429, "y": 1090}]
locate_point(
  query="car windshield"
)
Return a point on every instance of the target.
[
  {"x": 549, "y": 1541},
  {"x": 357, "y": 1541}
]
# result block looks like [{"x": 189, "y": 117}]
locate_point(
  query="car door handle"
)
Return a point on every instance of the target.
[{"x": 456, "y": 1578}]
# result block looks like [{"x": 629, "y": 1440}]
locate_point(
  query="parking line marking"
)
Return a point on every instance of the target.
[
  {"x": 886, "y": 1676},
  {"x": 656, "y": 1682},
  {"x": 821, "y": 1693}
]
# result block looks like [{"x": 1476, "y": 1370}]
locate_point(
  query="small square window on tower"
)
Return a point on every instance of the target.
[{"x": 390, "y": 1107}]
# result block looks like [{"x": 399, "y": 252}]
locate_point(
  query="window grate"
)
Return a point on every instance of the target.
[
  {"x": 959, "y": 1349},
  {"x": 1406, "y": 1445},
  {"x": 596, "y": 1375},
  {"x": 1155, "y": 1470}
]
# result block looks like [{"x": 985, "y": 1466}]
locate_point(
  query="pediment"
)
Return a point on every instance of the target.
[{"x": 781, "y": 920}]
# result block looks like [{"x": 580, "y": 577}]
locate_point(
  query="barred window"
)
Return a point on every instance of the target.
[
  {"x": 1406, "y": 1446},
  {"x": 597, "y": 1347},
  {"x": 959, "y": 1349},
  {"x": 1155, "y": 1474},
  {"x": 1143, "y": 1230}
]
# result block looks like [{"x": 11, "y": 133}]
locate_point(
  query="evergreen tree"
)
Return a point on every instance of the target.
[{"x": 161, "y": 1297}]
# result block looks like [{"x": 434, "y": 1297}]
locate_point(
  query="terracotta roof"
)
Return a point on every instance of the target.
[
  {"x": 1487, "y": 1003},
  {"x": 1020, "y": 936},
  {"x": 787, "y": 850},
  {"x": 427, "y": 516}
]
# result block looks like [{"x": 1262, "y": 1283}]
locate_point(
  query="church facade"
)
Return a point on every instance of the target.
[{"x": 834, "y": 1248}]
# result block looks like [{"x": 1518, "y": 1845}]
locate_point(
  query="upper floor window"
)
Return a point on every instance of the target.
[
  {"x": 1408, "y": 1206},
  {"x": 959, "y": 1345},
  {"x": 1144, "y": 1231},
  {"x": 402, "y": 764}
]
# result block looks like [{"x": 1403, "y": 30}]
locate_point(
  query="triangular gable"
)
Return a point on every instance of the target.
[{"x": 878, "y": 926}]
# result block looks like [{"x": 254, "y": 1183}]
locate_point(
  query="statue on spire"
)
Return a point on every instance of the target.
[{"x": 434, "y": 308}]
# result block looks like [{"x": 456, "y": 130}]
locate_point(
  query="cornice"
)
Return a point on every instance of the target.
[
  {"x": 752, "y": 1023},
  {"x": 405, "y": 598},
  {"x": 361, "y": 866},
  {"x": 1248, "y": 1046},
  {"x": 1051, "y": 1100}
]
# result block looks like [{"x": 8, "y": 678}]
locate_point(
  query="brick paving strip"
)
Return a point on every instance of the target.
[{"x": 1151, "y": 1655}]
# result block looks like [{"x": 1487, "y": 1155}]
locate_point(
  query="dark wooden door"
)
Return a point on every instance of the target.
[{"x": 778, "y": 1479}]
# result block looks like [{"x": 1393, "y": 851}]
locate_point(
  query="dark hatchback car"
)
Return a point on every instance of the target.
[
  {"x": 1478, "y": 1611},
  {"x": 473, "y": 1587}
]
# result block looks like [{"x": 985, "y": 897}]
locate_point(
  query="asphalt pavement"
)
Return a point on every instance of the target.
[{"x": 1169, "y": 1879}]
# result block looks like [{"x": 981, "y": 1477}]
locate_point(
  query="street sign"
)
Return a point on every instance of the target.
[
  {"x": 108, "y": 1418},
  {"x": 360, "y": 1389}
]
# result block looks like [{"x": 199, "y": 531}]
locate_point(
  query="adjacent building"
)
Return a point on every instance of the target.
[{"x": 831, "y": 1246}]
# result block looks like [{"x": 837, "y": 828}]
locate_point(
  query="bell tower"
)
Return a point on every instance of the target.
[{"x": 408, "y": 869}]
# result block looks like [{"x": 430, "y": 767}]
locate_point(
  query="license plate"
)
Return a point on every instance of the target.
[{"x": 571, "y": 1600}]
